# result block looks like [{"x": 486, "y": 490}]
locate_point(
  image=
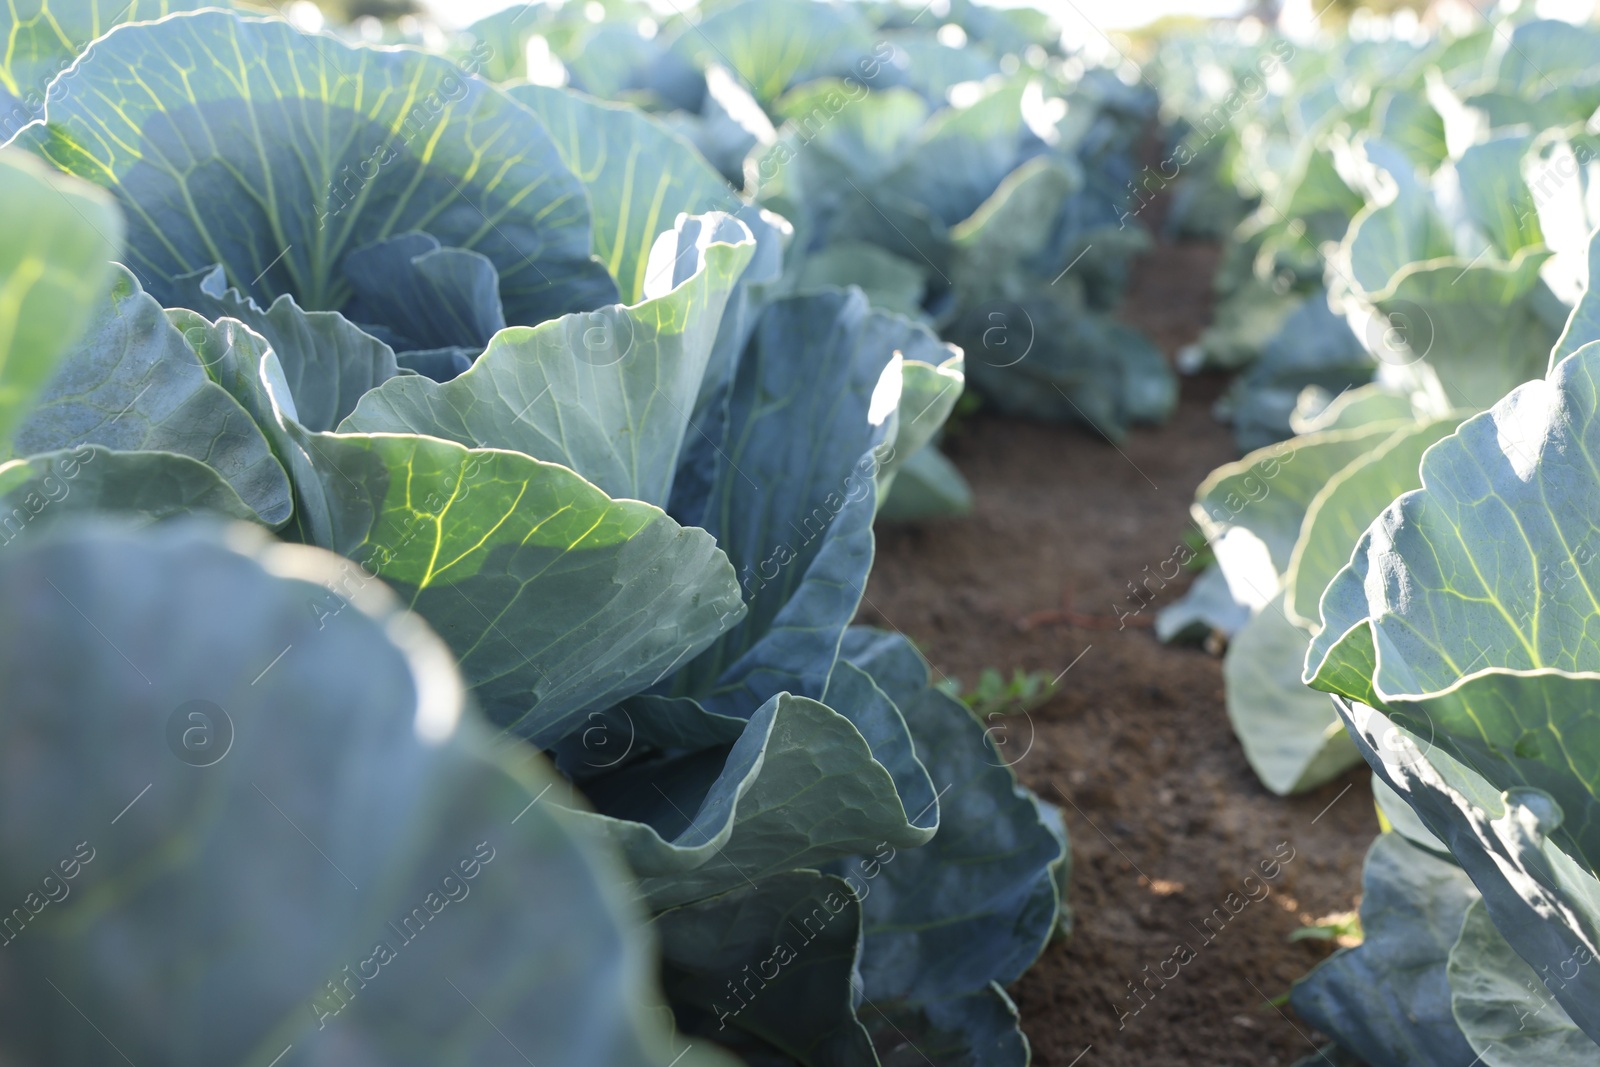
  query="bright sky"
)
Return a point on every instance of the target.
[{"x": 1104, "y": 14}]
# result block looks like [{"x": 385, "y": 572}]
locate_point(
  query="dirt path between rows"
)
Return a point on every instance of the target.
[{"x": 1166, "y": 818}]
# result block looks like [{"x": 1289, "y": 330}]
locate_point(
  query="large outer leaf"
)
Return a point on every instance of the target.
[
  {"x": 1388, "y": 999},
  {"x": 1473, "y": 598},
  {"x": 43, "y": 37},
  {"x": 556, "y": 598},
  {"x": 1541, "y": 54},
  {"x": 59, "y": 236},
  {"x": 608, "y": 393},
  {"x": 1485, "y": 329},
  {"x": 803, "y": 785},
  {"x": 640, "y": 177},
  {"x": 243, "y": 859},
  {"x": 1544, "y": 903},
  {"x": 1290, "y": 734},
  {"x": 979, "y": 902},
  {"x": 793, "y": 493},
  {"x": 134, "y": 384},
  {"x": 1470, "y": 305},
  {"x": 1346, "y": 506},
  {"x": 39, "y": 491},
  {"x": 1384, "y": 238},
  {"x": 1507, "y": 1016},
  {"x": 1265, "y": 508},
  {"x": 775, "y": 961},
  {"x": 1395, "y": 815},
  {"x": 247, "y": 143},
  {"x": 1408, "y": 120},
  {"x": 1360, "y": 406},
  {"x": 697, "y": 466},
  {"x": 1267, "y": 493},
  {"x": 1207, "y": 605}
]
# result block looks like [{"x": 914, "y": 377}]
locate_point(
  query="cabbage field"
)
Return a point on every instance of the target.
[{"x": 494, "y": 520}]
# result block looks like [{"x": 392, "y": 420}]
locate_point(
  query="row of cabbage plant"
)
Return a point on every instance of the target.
[{"x": 1420, "y": 542}]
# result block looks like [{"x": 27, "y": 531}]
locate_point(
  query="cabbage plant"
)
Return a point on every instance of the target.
[
  {"x": 892, "y": 148},
  {"x": 1464, "y": 675},
  {"x": 176, "y": 799},
  {"x": 1419, "y": 550},
  {"x": 520, "y": 357},
  {"x": 1456, "y": 293}
]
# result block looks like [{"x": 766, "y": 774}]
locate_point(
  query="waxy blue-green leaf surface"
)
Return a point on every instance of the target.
[
  {"x": 555, "y": 598},
  {"x": 794, "y": 492},
  {"x": 275, "y": 153},
  {"x": 932, "y": 377},
  {"x": 1503, "y": 1006},
  {"x": 1461, "y": 295},
  {"x": 1467, "y": 615},
  {"x": 1268, "y": 491},
  {"x": 1545, "y": 903},
  {"x": 42, "y": 38},
  {"x": 608, "y": 393},
  {"x": 43, "y": 489},
  {"x": 980, "y": 901},
  {"x": 328, "y": 362},
  {"x": 803, "y": 785},
  {"x": 640, "y": 178},
  {"x": 1289, "y": 733},
  {"x": 979, "y": 1029},
  {"x": 773, "y": 961},
  {"x": 1343, "y": 509},
  {"x": 1388, "y": 999},
  {"x": 274, "y": 836},
  {"x": 1468, "y": 611},
  {"x": 1541, "y": 55},
  {"x": 134, "y": 383},
  {"x": 421, "y": 295}
]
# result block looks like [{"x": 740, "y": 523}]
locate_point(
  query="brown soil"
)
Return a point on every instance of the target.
[{"x": 1166, "y": 818}]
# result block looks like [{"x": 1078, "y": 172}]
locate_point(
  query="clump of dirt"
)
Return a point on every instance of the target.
[{"x": 1172, "y": 835}]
